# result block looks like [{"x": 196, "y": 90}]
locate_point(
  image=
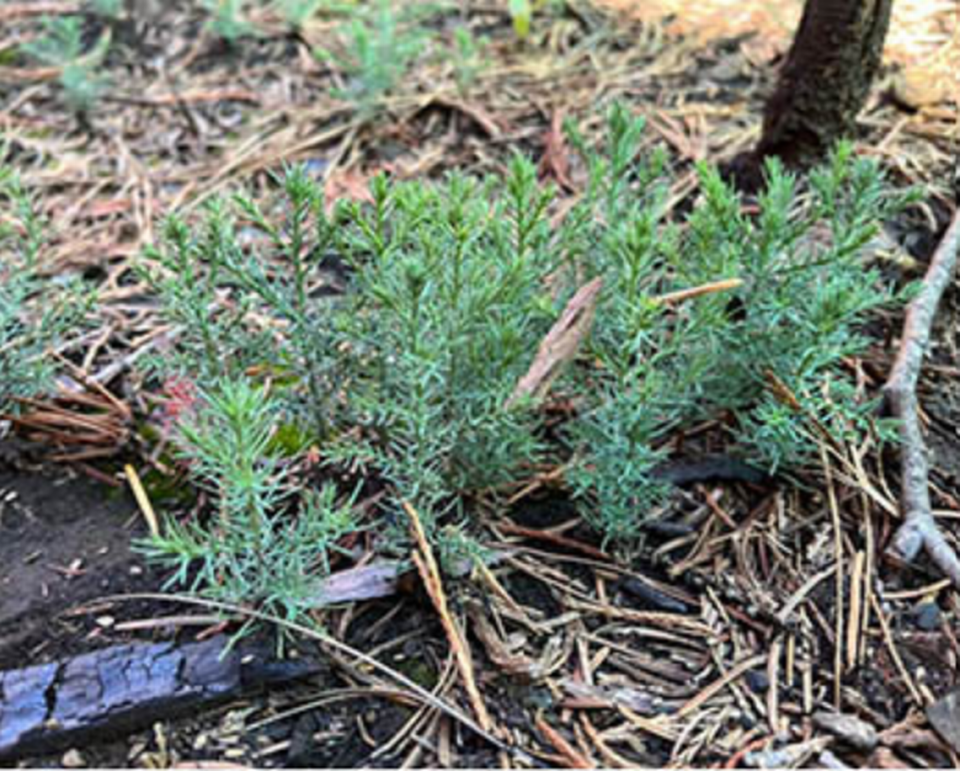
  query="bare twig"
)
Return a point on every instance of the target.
[
  {"x": 919, "y": 528},
  {"x": 895, "y": 654},
  {"x": 838, "y": 582},
  {"x": 718, "y": 685},
  {"x": 681, "y": 295}
]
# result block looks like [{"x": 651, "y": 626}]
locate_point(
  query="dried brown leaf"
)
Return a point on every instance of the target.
[
  {"x": 560, "y": 345},
  {"x": 555, "y": 162},
  {"x": 346, "y": 185}
]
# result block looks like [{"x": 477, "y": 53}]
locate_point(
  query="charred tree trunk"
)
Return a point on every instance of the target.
[{"x": 835, "y": 54}]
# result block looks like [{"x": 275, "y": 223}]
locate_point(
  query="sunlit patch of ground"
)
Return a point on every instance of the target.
[{"x": 922, "y": 32}]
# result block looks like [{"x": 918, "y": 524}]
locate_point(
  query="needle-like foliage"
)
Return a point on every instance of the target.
[
  {"x": 268, "y": 543},
  {"x": 446, "y": 307},
  {"x": 35, "y": 313},
  {"x": 410, "y": 374},
  {"x": 62, "y": 46}
]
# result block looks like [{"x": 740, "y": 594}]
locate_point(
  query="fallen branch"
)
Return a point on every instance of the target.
[
  {"x": 919, "y": 529},
  {"x": 96, "y": 694}
]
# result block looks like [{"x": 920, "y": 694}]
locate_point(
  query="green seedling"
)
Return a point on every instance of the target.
[
  {"x": 108, "y": 9},
  {"x": 35, "y": 312},
  {"x": 228, "y": 22},
  {"x": 269, "y": 543},
  {"x": 411, "y": 376},
  {"x": 61, "y": 46},
  {"x": 376, "y": 51}
]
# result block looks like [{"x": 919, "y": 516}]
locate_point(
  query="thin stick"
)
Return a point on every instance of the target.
[
  {"x": 718, "y": 685},
  {"x": 611, "y": 756},
  {"x": 773, "y": 686},
  {"x": 856, "y": 610},
  {"x": 688, "y": 294},
  {"x": 919, "y": 529},
  {"x": 573, "y": 758},
  {"x": 838, "y": 578},
  {"x": 894, "y": 653},
  {"x": 800, "y": 595}
]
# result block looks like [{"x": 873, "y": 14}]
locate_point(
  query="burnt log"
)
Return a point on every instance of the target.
[{"x": 110, "y": 692}]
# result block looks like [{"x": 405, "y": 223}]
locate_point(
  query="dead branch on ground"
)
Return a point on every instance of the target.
[{"x": 919, "y": 529}]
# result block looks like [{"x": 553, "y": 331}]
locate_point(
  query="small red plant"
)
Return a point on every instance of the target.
[{"x": 181, "y": 398}]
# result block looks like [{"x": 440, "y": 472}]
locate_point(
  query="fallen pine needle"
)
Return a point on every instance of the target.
[
  {"x": 574, "y": 759},
  {"x": 697, "y": 291},
  {"x": 421, "y": 693},
  {"x": 430, "y": 573},
  {"x": 718, "y": 685},
  {"x": 143, "y": 501}
]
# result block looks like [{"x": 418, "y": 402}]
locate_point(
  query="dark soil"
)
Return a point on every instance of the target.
[{"x": 65, "y": 542}]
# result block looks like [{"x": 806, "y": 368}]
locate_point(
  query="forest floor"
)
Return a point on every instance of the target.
[{"x": 581, "y": 659}]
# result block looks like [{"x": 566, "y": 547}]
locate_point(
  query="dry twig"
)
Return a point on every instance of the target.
[{"x": 919, "y": 529}]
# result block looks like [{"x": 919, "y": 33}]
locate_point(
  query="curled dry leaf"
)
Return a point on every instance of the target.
[
  {"x": 555, "y": 161},
  {"x": 366, "y": 582},
  {"x": 560, "y": 345},
  {"x": 346, "y": 184}
]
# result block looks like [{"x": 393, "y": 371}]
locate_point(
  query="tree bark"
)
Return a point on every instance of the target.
[{"x": 825, "y": 80}]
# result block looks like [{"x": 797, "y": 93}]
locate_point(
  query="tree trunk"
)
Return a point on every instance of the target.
[{"x": 835, "y": 54}]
